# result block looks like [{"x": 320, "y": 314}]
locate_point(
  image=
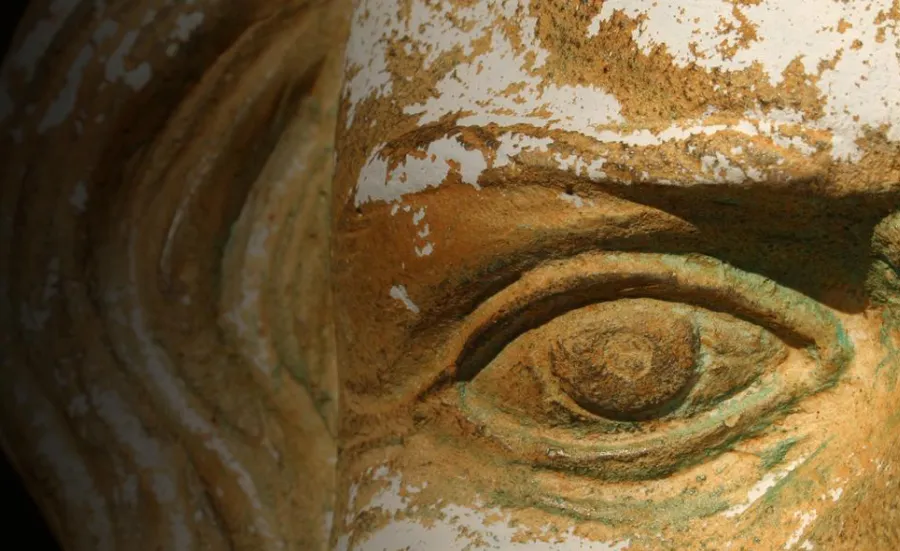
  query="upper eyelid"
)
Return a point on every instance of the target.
[{"x": 560, "y": 286}]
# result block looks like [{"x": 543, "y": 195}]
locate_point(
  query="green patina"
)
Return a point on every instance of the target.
[
  {"x": 883, "y": 286},
  {"x": 298, "y": 371},
  {"x": 889, "y": 366},
  {"x": 675, "y": 512},
  {"x": 800, "y": 489},
  {"x": 776, "y": 454},
  {"x": 803, "y": 486}
]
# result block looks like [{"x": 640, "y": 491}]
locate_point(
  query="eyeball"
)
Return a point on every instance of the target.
[
  {"x": 629, "y": 360},
  {"x": 624, "y": 360}
]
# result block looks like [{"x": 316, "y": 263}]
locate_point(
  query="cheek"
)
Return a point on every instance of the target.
[
  {"x": 846, "y": 496},
  {"x": 805, "y": 480},
  {"x": 867, "y": 513}
]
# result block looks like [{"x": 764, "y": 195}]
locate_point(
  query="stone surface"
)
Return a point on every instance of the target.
[
  {"x": 168, "y": 370},
  {"x": 609, "y": 275},
  {"x": 699, "y": 193}
]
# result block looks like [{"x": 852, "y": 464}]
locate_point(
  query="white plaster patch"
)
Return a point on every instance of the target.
[
  {"x": 478, "y": 90},
  {"x": 423, "y": 247},
  {"x": 51, "y": 284},
  {"x": 106, "y": 29},
  {"x": 36, "y": 318},
  {"x": 423, "y": 170},
  {"x": 444, "y": 156},
  {"x": 352, "y": 494},
  {"x": 143, "y": 449},
  {"x": 128, "y": 492},
  {"x": 430, "y": 168},
  {"x": 835, "y": 494},
  {"x": 74, "y": 480},
  {"x": 761, "y": 488},
  {"x": 38, "y": 41},
  {"x": 399, "y": 292},
  {"x": 147, "y": 360},
  {"x": 514, "y": 143},
  {"x": 135, "y": 78},
  {"x": 475, "y": 88},
  {"x": 256, "y": 244},
  {"x": 79, "y": 197},
  {"x": 575, "y": 200},
  {"x": 805, "y": 520},
  {"x": 581, "y": 167},
  {"x": 62, "y": 107},
  {"x": 186, "y": 24},
  {"x": 442, "y": 27},
  {"x": 327, "y": 524},
  {"x": 366, "y": 54},
  {"x": 859, "y": 90},
  {"x": 257, "y": 351},
  {"x": 751, "y": 126},
  {"x": 457, "y": 528},
  {"x": 500, "y": 86},
  {"x": 719, "y": 168},
  {"x": 432, "y": 29}
]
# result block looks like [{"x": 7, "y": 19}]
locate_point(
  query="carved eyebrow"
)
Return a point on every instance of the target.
[
  {"x": 802, "y": 240},
  {"x": 726, "y": 155}
]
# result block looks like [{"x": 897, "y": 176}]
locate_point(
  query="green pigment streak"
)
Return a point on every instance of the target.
[{"x": 777, "y": 453}]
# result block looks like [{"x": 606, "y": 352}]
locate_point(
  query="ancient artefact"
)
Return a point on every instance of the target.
[{"x": 621, "y": 274}]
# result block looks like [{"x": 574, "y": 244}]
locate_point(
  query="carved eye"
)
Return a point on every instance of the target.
[
  {"x": 640, "y": 359},
  {"x": 632, "y": 364}
]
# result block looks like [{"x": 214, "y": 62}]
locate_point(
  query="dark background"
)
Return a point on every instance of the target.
[
  {"x": 14, "y": 10},
  {"x": 22, "y": 520}
]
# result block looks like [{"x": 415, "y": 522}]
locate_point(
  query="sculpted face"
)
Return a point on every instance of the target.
[
  {"x": 607, "y": 275},
  {"x": 619, "y": 275}
]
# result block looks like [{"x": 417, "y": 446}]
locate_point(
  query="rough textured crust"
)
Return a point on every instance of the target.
[{"x": 498, "y": 151}]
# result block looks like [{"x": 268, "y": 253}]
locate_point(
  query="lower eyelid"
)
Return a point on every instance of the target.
[{"x": 637, "y": 456}]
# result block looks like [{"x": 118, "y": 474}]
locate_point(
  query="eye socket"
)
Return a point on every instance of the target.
[{"x": 631, "y": 364}]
